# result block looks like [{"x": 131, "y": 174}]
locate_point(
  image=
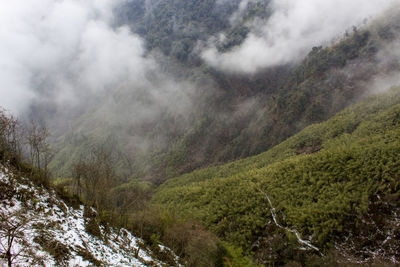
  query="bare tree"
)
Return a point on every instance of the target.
[
  {"x": 39, "y": 148},
  {"x": 129, "y": 197},
  {"x": 13, "y": 245},
  {"x": 78, "y": 171},
  {"x": 95, "y": 176},
  {"x": 10, "y": 137}
]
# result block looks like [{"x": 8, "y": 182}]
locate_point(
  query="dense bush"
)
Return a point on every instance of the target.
[
  {"x": 195, "y": 245},
  {"x": 320, "y": 193}
]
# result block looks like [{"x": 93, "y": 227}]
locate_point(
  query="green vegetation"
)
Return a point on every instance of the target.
[
  {"x": 117, "y": 203},
  {"x": 176, "y": 26},
  {"x": 325, "y": 180},
  {"x": 321, "y": 181},
  {"x": 240, "y": 117}
]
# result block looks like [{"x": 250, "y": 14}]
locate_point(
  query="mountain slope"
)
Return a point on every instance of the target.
[
  {"x": 336, "y": 182},
  {"x": 232, "y": 116},
  {"x": 46, "y": 231},
  {"x": 176, "y": 27}
]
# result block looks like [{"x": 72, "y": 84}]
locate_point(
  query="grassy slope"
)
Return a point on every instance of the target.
[{"x": 319, "y": 180}]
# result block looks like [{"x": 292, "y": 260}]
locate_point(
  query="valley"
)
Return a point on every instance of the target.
[{"x": 200, "y": 133}]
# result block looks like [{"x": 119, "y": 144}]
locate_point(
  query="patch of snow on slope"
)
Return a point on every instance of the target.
[{"x": 56, "y": 234}]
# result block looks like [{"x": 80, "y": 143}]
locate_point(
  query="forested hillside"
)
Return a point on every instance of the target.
[
  {"x": 337, "y": 183},
  {"x": 200, "y": 133},
  {"x": 231, "y": 116},
  {"x": 175, "y": 27}
]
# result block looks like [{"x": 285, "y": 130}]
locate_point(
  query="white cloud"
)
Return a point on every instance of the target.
[
  {"x": 239, "y": 12},
  {"x": 59, "y": 48},
  {"x": 293, "y": 29}
]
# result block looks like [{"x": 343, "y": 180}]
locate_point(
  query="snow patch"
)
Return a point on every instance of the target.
[{"x": 49, "y": 222}]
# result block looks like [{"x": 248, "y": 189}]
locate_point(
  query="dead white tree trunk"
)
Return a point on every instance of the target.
[{"x": 303, "y": 242}]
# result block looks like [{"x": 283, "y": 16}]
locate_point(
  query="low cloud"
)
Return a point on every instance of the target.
[
  {"x": 388, "y": 64},
  {"x": 243, "y": 5},
  {"x": 64, "y": 50},
  {"x": 292, "y": 30}
]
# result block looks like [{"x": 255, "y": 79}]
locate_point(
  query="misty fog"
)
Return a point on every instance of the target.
[
  {"x": 67, "y": 51},
  {"x": 60, "y": 59},
  {"x": 294, "y": 27}
]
